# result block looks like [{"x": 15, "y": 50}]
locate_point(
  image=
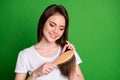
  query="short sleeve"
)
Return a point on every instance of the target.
[
  {"x": 21, "y": 64},
  {"x": 78, "y": 59}
]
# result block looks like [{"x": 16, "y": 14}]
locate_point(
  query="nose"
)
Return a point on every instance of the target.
[{"x": 56, "y": 30}]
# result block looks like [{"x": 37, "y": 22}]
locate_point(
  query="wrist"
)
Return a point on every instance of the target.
[{"x": 34, "y": 75}]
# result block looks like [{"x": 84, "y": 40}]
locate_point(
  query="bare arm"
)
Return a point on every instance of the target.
[
  {"x": 20, "y": 76},
  {"x": 31, "y": 77},
  {"x": 77, "y": 75},
  {"x": 45, "y": 69}
]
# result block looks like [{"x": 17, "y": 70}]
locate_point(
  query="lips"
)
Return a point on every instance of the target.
[{"x": 52, "y": 35}]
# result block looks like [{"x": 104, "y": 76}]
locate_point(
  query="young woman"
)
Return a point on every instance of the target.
[{"x": 38, "y": 59}]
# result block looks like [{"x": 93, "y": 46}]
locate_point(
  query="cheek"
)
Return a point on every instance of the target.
[
  {"x": 46, "y": 28},
  {"x": 45, "y": 31},
  {"x": 61, "y": 34}
]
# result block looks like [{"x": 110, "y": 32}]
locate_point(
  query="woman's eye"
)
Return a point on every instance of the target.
[
  {"x": 51, "y": 25},
  {"x": 62, "y": 29}
]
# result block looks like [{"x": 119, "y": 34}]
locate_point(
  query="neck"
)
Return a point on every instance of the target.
[{"x": 46, "y": 45}]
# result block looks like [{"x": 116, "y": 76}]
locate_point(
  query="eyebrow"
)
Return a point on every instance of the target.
[{"x": 56, "y": 24}]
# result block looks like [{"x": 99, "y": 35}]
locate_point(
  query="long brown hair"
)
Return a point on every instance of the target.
[{"x": 65, "y": 68}]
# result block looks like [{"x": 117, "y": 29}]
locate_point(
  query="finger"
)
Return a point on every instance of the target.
[
  {"x": 71, "y": 46},
  {"x": 64, "y": 48},
  {"x": 46, "y": 72},
  {"x": 49, "y": 68},
  {"x": 52, "y": 66},
  {"x": 67, "y": 42}
]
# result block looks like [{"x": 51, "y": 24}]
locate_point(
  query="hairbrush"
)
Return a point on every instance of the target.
[{"x": 64, "y": 57}]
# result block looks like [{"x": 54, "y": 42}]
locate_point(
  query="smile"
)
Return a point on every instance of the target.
[{"x": 52, "y": 35}]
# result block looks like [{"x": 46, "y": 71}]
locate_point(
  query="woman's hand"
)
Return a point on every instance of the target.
[
  {"x": 68, "y": 45},
  {"x": 45, "y": 69}
]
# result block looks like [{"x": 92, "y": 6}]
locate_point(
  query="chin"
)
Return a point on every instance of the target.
[{"x": 52, "y": 40}]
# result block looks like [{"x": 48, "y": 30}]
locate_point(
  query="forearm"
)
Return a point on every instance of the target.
[
  {"x": 76, "y": 76},
  {"x": 31, "y": 78}
]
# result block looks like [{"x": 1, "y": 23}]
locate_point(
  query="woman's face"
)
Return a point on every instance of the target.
[{"x": 54, "y": 27}]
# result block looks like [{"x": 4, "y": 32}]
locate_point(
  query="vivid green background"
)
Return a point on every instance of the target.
[{"x": 94, "y": 31}]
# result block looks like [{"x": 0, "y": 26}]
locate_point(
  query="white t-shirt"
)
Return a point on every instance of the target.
[{"x": 29, "y": 60}]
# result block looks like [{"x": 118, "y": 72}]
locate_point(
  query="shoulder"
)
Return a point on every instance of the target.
[{"x": 26, "y": 51}]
